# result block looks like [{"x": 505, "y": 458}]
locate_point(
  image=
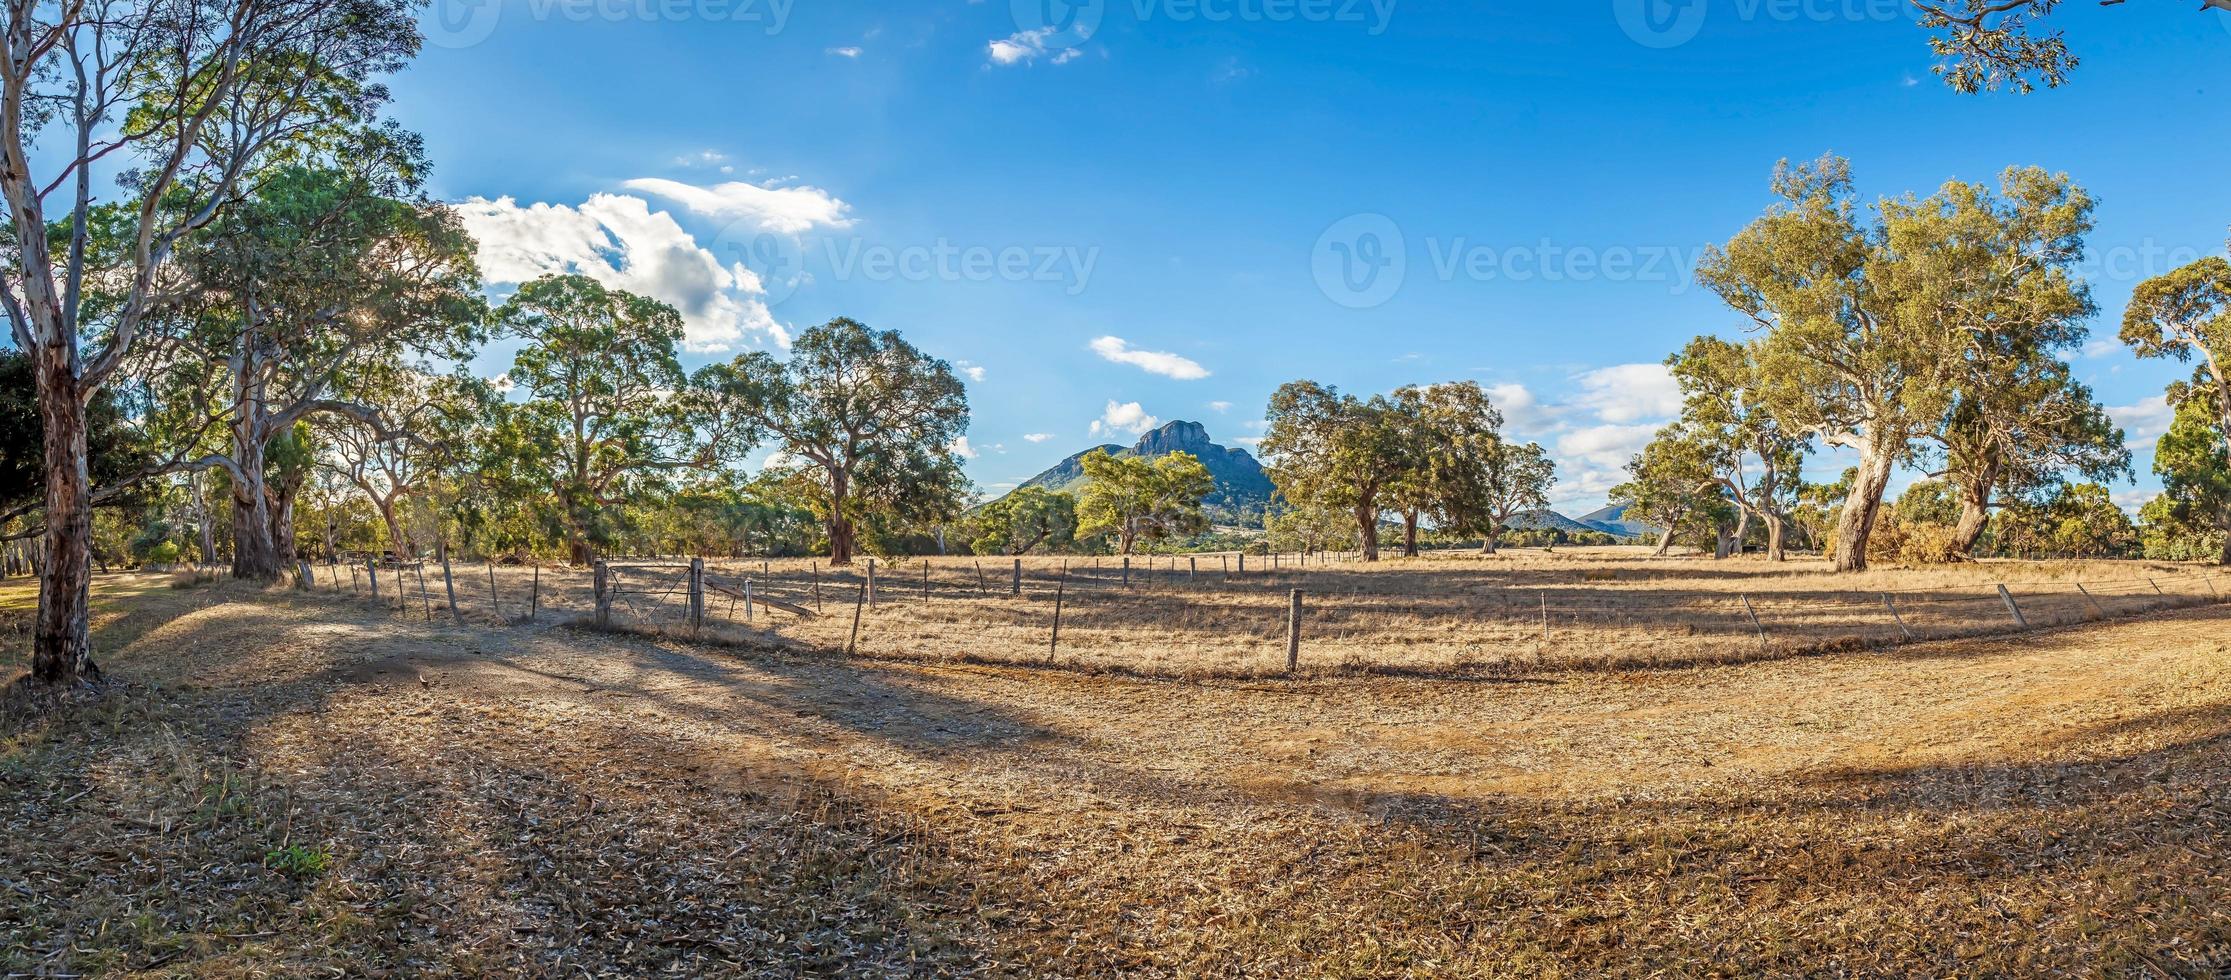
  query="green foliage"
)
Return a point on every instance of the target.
[
  {"x": 118, "y": 449},
  {"x": 869, "y": 416},
  {"x": 1672, "y": 486},
  {"x": 1874, "y": 327},
  {"x": 297, "y": 861},
  {"x": 1024, "y": 520},
  {"x": 1138, "y": 500},
  {"x": 609, "y": 416},
  {"x": 1336, "y": 452},
  {"x": 2186, "y": 315}
]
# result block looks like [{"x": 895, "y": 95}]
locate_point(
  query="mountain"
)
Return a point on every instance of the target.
[
  {"x": 1242, "y": 488},
  {"x": 1613, "y": 520},
  {"x": 1548, "y": 520}
]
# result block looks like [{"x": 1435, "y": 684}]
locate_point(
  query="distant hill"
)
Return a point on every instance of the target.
[
  {"x": 1613, "y": 520},
  {"x": 1242, "y": 488},
  {"x": 1549, "y": 520}
]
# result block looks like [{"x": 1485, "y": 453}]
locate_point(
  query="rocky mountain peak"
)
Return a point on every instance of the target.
[{"x": 1174, "y": 437}]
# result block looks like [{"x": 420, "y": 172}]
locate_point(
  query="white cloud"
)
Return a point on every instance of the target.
[
  {"x": 2099, "y": 347},
  {"x": 783, "y": 210},
  {"x": 847, "y": 51},
  {"x": 2134, "y": 500},
  {"x": 1519, "y": 406},
  {"x": 1118, "y": 350},
  {"x": 2144, "y": 423},
  {"x": 1220, "y": 407},
  {"x": 971, "y": 371},
  {"x": 1630, "y": 393},
  {"x": 962, "y": 449},
  {"x": 1593, "y": 459},
  {"x": 620, "y": 242},
  {"x": 1124, "y": 417},
  {"x": 1023, "y": 47},
  {"x": 1038, "y": 437}
]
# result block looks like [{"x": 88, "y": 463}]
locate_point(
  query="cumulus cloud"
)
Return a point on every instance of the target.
[
  {"x": 1024, "y": 47},
  {"x": 2143, "y": 423},
  {"x": 620, "y": 242},
  {"x": 1038, "y": 437},
  {"x": 1630, "y": 392},
  {"x": 1168, "y": 365},
  {"x": 1124, "y": 417},
  {"x": 962, "y": 449},
  {"x": 765, "y": 207},
  {"x": 969, "y": 370}
]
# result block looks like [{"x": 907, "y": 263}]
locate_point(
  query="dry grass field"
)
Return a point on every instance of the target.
[
  {"x": 1448, "y": 614},
  {"x": 308, "y": 784}
]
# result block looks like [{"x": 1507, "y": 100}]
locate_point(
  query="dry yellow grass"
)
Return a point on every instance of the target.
[
  {"x": 1449, "y": 614},
  {"x": 546, "y": 801}
]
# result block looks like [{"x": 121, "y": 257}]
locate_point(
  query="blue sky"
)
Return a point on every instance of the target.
[{"x": 1150, "y": 221}]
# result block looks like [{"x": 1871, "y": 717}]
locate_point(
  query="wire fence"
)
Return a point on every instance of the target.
[{"x": 1213, "y": 615}]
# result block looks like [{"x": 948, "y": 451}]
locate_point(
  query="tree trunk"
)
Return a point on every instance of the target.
[
  {"x": 255, "y": 556},
  {"x": 282, "y": 523},
  {"x": 62, "y": 644},
  {"x": 1775, "y": 549},
  {"x": 1856, "y": 524},
  {"x": 1742, "y": 530},
  {"x": 1975, "y": 514},
  {"x": 1367, "y": 523},
  {"x": 1409, "y": 534}
]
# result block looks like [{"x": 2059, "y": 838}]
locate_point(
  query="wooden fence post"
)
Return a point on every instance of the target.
[
  {"x": 747, "y": 602},
  {"x": 1192, "y": 569},
  {"x": 449, "y": 585},
  {"x": 815, "y": 570},
  {"x": 1015, "y": 587},
  {"x": 1053, "y": 645},
  {"x": 858, "y": 602},
  {"x": 372, "y": 568},
  {"x": 2019, "y": 620},
  {"x": 1892, "y": 605},
  {"x": 1293, "y": 631},
  {"x": 425, "y": 598},
  {"x": 1243, "y": 563},
  {"x": 1127, "y": 571},
  {"x": 871, "y": 583},
  {"x": 925, "y": 581},
  {"x": 1755, "y": 623},
  {"x": 696, "y": 595},
  {"x": 603, "y": 596},
  {"x": 980, "y": 587},
  {"x": 2097, "y": 612},
  {"x": 495, "y": 602},
  {"x": 534, "y": 594}
]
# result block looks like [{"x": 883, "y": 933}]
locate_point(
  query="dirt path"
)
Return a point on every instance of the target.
[{"x": 627, "y": 804}]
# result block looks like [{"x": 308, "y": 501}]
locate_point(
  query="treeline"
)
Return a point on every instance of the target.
[{"x": 1932, "y": 333}]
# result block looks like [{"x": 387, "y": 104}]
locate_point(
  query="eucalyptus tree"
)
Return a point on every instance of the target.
[
  {"x": 1745, "y": 449},
  {"x": 872, "y": 419},
  {"x": 1337, "y": 452},
  {"x": 193, "y": 95},
  {"x": 1499, "y": 482},
  {"x": 304, "y": 296},
  {"x": 1452, "y": 435},
  {"x": 1989, "y": 45},
  {"x": 2017, "y": 435},
  {"x": 436, "y": 425},
  {"x": 1021, "y": 521},
  {"x": 608, "y": 414},
  {"x": 2185, "y": 315},
  {"x": 1139, "y": 499},
  {"x": 1871, "y": 327},
  {"x": 1672, "y": 487}
]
